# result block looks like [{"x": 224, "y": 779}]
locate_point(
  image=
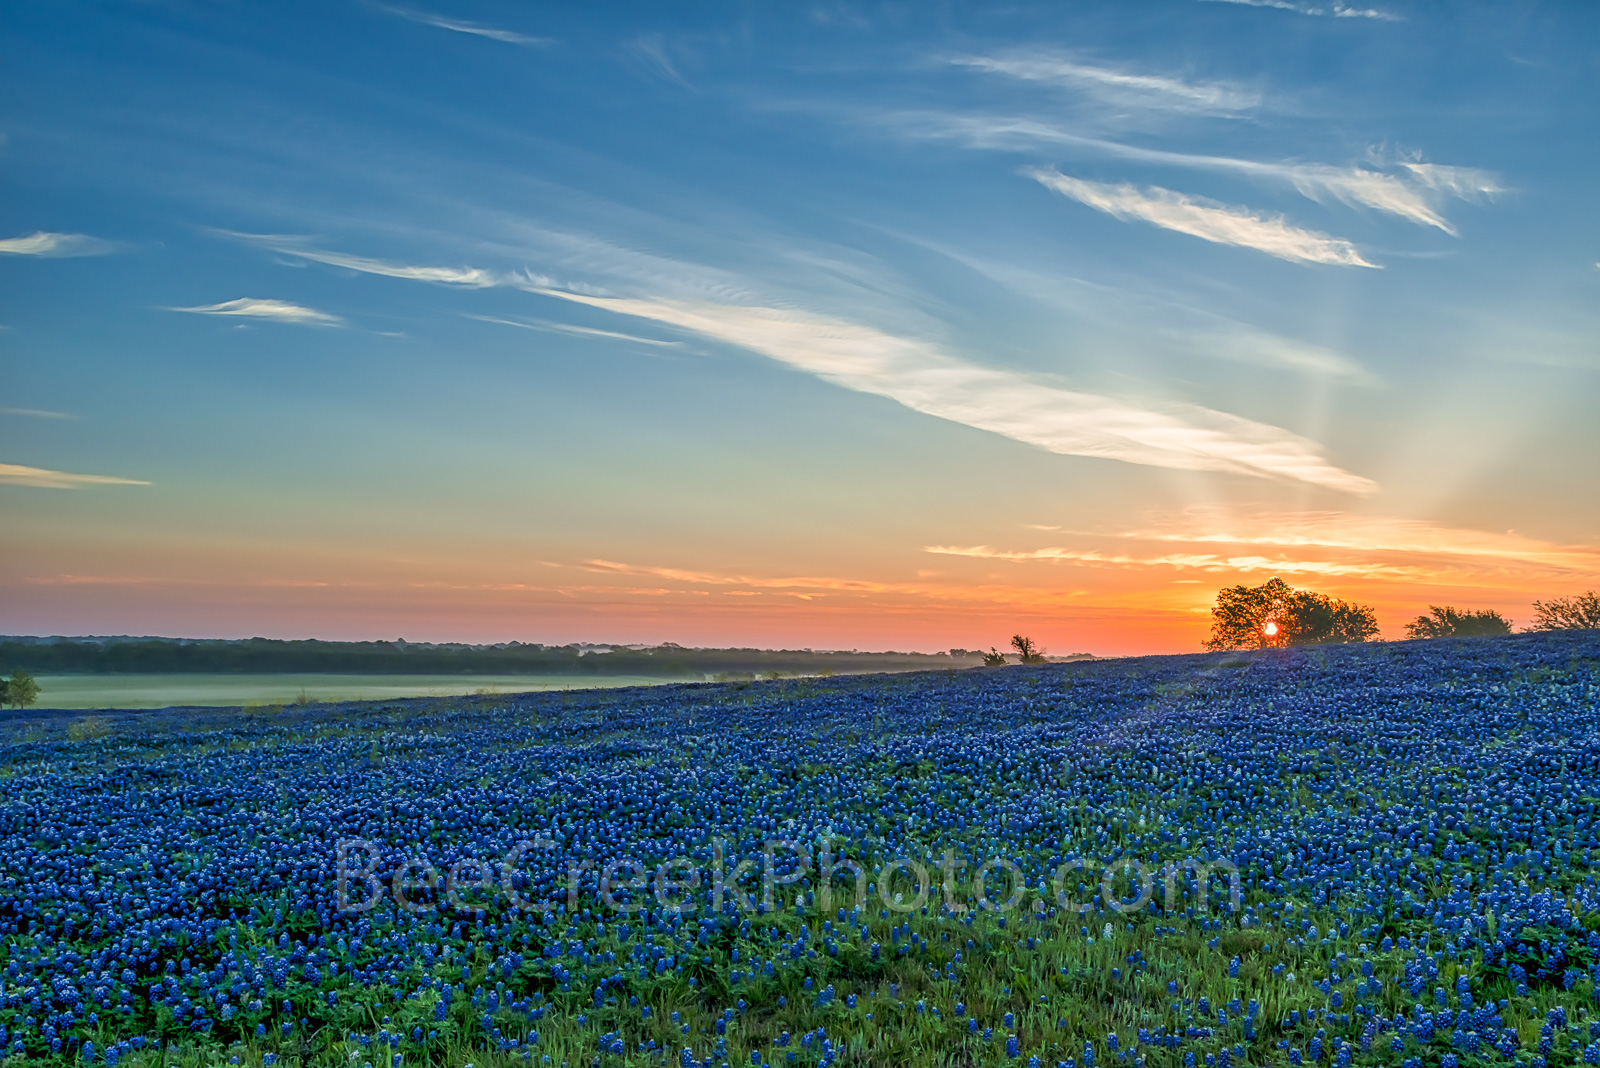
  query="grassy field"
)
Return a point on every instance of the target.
[{"x": 161, "y": 691}]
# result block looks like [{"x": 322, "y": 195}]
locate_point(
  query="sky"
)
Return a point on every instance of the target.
[{"x": 877, "y": 326}]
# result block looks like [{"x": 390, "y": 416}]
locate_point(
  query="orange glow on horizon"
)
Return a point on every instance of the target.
[{"x": 1118, "y": 593}]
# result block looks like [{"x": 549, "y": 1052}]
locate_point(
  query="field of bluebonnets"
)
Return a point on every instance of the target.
[{"x": 1412, "y": 824}]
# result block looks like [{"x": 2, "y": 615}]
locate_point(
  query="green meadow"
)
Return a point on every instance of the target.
[{"x": 160, "y": 691}]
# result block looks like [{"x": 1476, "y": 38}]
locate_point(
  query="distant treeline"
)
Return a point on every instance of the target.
[{"x": 65, "y": 656}]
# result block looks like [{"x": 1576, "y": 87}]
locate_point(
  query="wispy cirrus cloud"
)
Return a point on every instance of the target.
[
  {"x": 278, "y": 311},
  {"x": 37, "y": 413},
  {"x": 1243, "y": 344},
  {"x": 710, "y": 578},
  {"x": 1112, "y": 86},
  {"x": 1410, "y": 190},
  {"x": 1211, "y": 562},
  {"x": 1203, "y": 219},
  {"x": 477, "y": 29},
  {"x": 652, "y": 52},
  {"x": 1362, "y": 533},
  {"x": 41, "y": 478},
  {"x": 547, "y": 326},
  {"x": 1336, "y": 10},
  {"x": 808, "y": 586},
  {"x": 1328, "y": 543},
  {"x": 1187, "y": 329},
  {"x": 915, "y": 374},
  {"x": 58, "y": 246},
  {"x": 289, "y": 245}
]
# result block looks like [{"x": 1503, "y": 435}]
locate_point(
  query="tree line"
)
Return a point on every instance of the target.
[
  {"x": 1276, "y": 614},
  {"x": 69, "y": 656}
]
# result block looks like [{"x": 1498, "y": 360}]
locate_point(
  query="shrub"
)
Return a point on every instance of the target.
[
  {"x": 1567, "y": 613},
  {"x": 993, "y": 658},
  {"x": 88, "y": 728},
  {"x": 1457, "y": 623}
]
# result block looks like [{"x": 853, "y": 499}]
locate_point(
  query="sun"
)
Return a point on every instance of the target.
[{"x": 1270, "y": 630}]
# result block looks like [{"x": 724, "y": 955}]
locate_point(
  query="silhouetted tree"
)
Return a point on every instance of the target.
[
  {"x": 1567, "y": 613},
  {"x": 993, "y": 658},
  {"x": 1241, "y": 616},
  {"x": 1257, "y": 617},
  {"x": 1031, "y": 653},
  {"x": 1443, "y": 622},
  {"x": 19, "y": 690},
  {"x": 1316, "y": 619}
]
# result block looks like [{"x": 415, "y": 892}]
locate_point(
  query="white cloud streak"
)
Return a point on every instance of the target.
[
  {"x": 1114, "y": 86},
  {"x": 916, "y": 375},
  {"x": 58, "y": 246},
  {"x": 1194, "y": 561},
  {"x": 477, "y": 29},
  {"x": 36, "y": 413},
  {"x": 1411, "y": 193},
  {"x": 279, "y": 311},
  {"x": 1343, "y": 530},
  {"x": 1203, "y": 219},
  {"x": 1246, "y": 345},
  {"x": 1336, "y": 10},
  {"x": 40, "y": 478},
  {"x": 471, "y": 277},
  {"x": 1317, "y": 543},
  {"x": 546, "y": 326}
]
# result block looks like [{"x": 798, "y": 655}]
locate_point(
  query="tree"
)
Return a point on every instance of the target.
[
  {"x": 19, "y": 690},
  {"x": 1241, "y": 617},
  {"x": 1274, "y": 614},
  {"x": 1567, "y": 613},
  {"x": 1316, "y": 619},
  {"x": 1031, "y": 653},
  {"x": 1443, "y": 622},
  {"x": 993, "y": 658}
]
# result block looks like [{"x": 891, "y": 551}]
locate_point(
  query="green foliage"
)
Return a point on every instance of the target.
[
  {"x": 1581, "y": 612},
  {"x": 1317, "y": 619},
  {"x": 1241, "y": 613},
  {"x": 270, "y": 656},
  {"x": 993, "y": 658},
  {"x": 88, "y": 728},
  {"x": 19, "y": 690},
  {"x": 1441, "y": 622},
  {"x": 1273, "y": 614}
]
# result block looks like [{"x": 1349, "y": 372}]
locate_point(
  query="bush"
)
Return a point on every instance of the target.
[
  {"x": 993, "y": 658},
  {"x": 1457, "y": 623},
  {"x": 1567, "y": 613},
  {"x": 88, "y": 728}
]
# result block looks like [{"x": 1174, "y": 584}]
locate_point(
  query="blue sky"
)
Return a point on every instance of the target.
[{"x": 829, "y": 325}]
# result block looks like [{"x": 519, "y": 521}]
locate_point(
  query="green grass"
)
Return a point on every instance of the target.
[
  {"x": 159, "y": 691},
  {"x": 1044, "y": 970}
]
